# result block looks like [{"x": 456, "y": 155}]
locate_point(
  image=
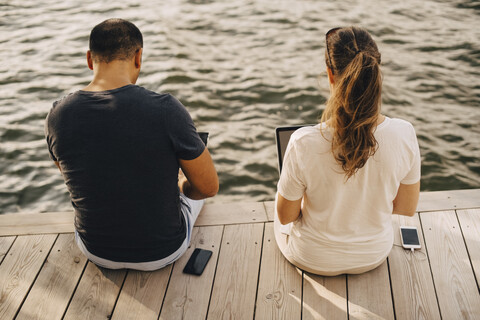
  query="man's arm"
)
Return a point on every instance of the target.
[
  {"x": 288, "y": 211},
  {"x": 201, "y": 180},
  {"x": 406, "y": 201}
]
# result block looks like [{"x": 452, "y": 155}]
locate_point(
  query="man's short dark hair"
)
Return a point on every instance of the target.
[{"x": 115, "y": 39}]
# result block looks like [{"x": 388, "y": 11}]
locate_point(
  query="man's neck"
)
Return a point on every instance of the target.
[
  {"x": 103, "y": 85},
  {"x": 109, "y": 76}
]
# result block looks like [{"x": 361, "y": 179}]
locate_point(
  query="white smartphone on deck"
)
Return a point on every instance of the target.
[{"x": 409, "y": 236}]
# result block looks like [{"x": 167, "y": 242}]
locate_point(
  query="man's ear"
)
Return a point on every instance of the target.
[
  {"x": 138, "y": 58},
  {"x": 330, "y": 76},
  {"x": 89, "y": 60}
]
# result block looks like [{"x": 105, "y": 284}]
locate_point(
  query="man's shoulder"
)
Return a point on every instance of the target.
[
  {"x": 144, "y": 101},
  {"x": 65, "y": 98},
  {"x": 65, "y": 102},
  {"x": 164, "y": 99},
  {"x": 130, "y": 91}
]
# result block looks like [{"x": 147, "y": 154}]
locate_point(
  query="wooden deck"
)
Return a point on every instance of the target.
[{"x": 44, "y": 276}]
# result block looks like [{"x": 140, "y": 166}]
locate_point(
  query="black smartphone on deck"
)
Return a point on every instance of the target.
[
  {"x": 409, "y": 237},
  {"x": 204, "y": 137},
  {"x": 197, "y": 262}
]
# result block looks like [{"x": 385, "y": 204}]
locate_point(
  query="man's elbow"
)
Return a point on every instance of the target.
[{"x": 211, "y": 191}]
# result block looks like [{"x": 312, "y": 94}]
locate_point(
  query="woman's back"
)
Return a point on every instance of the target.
[
  {"x": 342, "y": 179},
  {"x": 346, "y": 223}
]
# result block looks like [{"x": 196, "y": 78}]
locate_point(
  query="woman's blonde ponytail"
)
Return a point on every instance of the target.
[{"x": 354, "y": 106}]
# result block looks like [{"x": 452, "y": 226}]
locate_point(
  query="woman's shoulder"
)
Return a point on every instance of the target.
[
  {"x": 397, "y": 122},
  {"x": 395, "y": 129},
  {"x": 310, "y": 136},
  {"x": 395, "y": 125},
  {"x": 306, "y": 132}
]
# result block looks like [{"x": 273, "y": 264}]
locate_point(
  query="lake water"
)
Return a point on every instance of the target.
[{"x": 242, "y": 68}]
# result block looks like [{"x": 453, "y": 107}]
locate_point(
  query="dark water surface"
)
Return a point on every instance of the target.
[{"x": 242, "y": 68}]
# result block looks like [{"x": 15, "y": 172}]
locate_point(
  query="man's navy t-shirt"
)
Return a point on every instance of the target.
[{"x": 118, "y": 151}]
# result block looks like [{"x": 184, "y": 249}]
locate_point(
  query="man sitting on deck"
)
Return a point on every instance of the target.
[{"x": 119, "y": 148}]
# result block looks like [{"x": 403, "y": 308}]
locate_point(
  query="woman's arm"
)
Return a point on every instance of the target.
[
  {"x": 405, "y": 203},
  {"x": 288, "y": 211}
]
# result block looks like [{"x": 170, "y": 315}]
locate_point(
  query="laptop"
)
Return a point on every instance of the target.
[{"x": 282, "y": 136}]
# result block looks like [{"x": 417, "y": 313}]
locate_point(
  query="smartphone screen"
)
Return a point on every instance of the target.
[
  {"x": 198, "y": 261},
  {"x": 410, "y": 237}
]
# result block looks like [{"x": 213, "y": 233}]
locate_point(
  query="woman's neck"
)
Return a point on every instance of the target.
[{"x": 380, "y": 119}]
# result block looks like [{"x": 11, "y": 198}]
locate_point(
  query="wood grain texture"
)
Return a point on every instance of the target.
[
  {"x": 56, "y": 282},
  {"x": 455, "y": 284},
  {"x": 36, "y": 223},
  {"x": 280, "y": 284},
  {"x": 270, "y": 209},
  {"x": 96, "y": 293},
  {"x": 449, "y": 200},
  {"x": 5, "y": 244},
  {"x": 231, "y": 213},
  {"x": 369, "y": 294},
  {"x": 142, "y": 294},
  {"x": 218, "y": 214},
  {"x": 324, "y": 297},
  {"x": 19, "y": 269},
  {"x": 470, "y": 224},
  {"x": 188, "y": 295},
  {"x": 235, "y": 284},
  {"x": 412, "y": 282}
]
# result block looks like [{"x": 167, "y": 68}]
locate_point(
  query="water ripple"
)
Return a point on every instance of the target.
[{"x": 242, "y": 68}]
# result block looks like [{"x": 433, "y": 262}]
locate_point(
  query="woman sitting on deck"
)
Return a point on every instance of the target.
[{"x": 342, "y": 179}]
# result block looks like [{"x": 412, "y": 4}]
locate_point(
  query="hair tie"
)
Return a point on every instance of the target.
[{"x": 357, "y": 52}]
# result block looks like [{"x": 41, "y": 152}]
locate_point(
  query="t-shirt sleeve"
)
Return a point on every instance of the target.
[
  {"x": 291, "y": 185},
  {"x": 413, "y": 175},
  {"x": 49, "y": 138},
  {"x": 182, "y": 132}
]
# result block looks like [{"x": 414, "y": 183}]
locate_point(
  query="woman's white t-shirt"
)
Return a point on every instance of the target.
[{"x": 346, "y": 224}]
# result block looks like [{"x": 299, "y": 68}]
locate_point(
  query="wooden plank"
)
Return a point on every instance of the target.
[
  {"x": 457, "y": 291},
  {"x": 62, "y": 222},
  {"x": 270, "y": 209},
  {"x": 235, "y": 284},
  {"x": 19, "y": 269},
  {"x": 449, "y": 200},
  {"x": 5, "y": 244},
  {"x": 36, "y": 223},
  {"x": 280, "y": 284},
  {"x": 369, "y": 295},
  {"x": 142, "y": 294},
  {"x": 218, "y": 214},
  {"x": 324, "y": 297},
  {"x": 231, "y": 213},
  {"x": 188, "y": 295},
  {"x": 470, "y": 223},
  {"x": 56, "y": 282},
  {"x": 412, "y": 283},
  {"x": 96, "y": 293}
]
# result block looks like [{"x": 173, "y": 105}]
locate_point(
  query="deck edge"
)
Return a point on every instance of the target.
[{"x": 14, "y": 224}]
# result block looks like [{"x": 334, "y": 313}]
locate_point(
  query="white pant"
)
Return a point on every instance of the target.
[{"x": 190, "y": 209}]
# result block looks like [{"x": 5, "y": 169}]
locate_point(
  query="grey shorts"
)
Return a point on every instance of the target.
[{"x": 190, "y": 209}]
